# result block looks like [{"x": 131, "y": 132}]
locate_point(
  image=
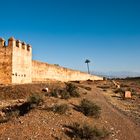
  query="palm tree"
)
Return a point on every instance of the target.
[{"x": 87, "y": 61}]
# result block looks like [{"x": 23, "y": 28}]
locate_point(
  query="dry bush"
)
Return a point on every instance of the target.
[
  {"x": 55, "y": 93},
  {"x": 85, "y": 132},
  {"x": 119, "y": 90},
  {"x": 72, "y": 90},
  {"x": 16, "y": 111},
  {"x": 65, "y": 95},
  {"x": 89, "y": 108},
  {"x": 69, "y": 91},
  {"x": 35, "y": 100},
  {"x": 4, "y": 119},
  {"x": 60, "y": 109}
]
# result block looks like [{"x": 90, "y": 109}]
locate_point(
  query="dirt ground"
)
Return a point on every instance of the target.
[{"x": 41, "y": 124}]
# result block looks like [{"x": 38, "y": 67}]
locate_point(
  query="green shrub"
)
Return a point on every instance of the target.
[
  {"x": 133, "y": 91},
  {"x": 72, "y": 90},
  {"x": 16, "y": 111},
  {"x": 65, "y": 95},
  {"x": 85, "y": 132},
  {"x": 54, "y": 93},
  {"x": 70, "y": 87},
  {"x": 60, "y": 109},
  {"x": 12, "y": 113},
  {"x": 121, "y": 92},
  {"x": 34, "y": 100},
  {"x": 74, "y": 94},
  {"x": 9, "y": 113},
  {"x": 89, "y": 108}
]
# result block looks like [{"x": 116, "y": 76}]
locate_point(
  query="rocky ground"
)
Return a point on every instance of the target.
[{"x": 42, "y": 124}]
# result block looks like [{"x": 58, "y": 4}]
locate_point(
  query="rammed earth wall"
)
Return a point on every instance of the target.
[{"x": 43, "y": 71}]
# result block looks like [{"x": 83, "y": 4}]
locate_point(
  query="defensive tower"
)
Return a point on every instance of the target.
[{"x": 15, "y": 62}]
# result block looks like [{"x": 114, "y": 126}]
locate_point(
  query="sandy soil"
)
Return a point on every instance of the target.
[{"x": 41, "y": 124}]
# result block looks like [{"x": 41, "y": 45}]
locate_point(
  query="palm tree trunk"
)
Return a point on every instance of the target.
[{"x": 88, "y": 68}]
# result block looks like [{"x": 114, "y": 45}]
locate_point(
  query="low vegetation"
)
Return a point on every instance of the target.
[
  {"x": 104, "y": 86},
  {"x": 89, "y": 108},
  {"x": 16, "y": 111},
  {"x": 65, "y": 95},
  {"x": 55, "y": 93},
  {"x": 119, "y": 90},
  {"x": 134, "y": 93},
  {"x": 69, "y": 91},
  {"x": 34, "y": 100},
  {"x": 72, "y": 90},
  {"x": 85, "y": 132},
  {"x": 4, "y": 119},
  {"x": 60, "y": 109}
]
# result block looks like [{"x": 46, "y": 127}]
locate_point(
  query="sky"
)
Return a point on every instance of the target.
[{"x": 67, "y": 32}]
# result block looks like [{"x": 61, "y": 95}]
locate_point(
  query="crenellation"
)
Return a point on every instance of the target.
[
  {"x": 2, "y": 42},
  {"x": 23, "y": 45},
  {"x": 18, "y": 43},
  {"x": 11, "y": 42},
  {"x": 28, "y": 47}
]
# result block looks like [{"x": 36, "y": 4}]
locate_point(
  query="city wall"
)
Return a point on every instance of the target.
[
  {"x": 17, "y": 66},
  {"x": 43, "y": 71}
]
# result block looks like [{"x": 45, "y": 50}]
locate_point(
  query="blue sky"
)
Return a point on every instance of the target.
[{"x": 66, "y": 32}]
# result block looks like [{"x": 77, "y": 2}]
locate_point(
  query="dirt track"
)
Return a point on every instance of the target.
[{"x": 122, "y": 126}]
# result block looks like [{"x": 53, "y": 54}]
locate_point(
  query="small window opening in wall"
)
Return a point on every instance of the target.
[
  {"x": 21, "y": 75},
  {"x": 24, "y": 75},
  {"x": 15, "y": 74}
]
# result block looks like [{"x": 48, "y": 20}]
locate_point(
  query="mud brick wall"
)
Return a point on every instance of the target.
[{"x": 43, "y": 71}]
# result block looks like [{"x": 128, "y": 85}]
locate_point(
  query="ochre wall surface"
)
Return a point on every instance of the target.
[
  {"x": 43, "y": 71},
  {"x": 5, "y": 63},
  {"x": 21, "y": 64}
]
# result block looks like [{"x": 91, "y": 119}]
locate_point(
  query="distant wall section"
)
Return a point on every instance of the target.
[{"x": 43, "y": 71}]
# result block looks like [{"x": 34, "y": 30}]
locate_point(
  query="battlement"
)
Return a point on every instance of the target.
[
  {"x": 15, "y": 61},
  {"x": 12, "y": 42}
]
